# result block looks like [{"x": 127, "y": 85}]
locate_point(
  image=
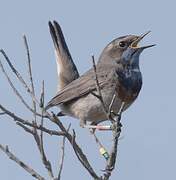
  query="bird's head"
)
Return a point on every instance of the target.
[
  {"x": 125, "y": 47},
  {"x": 130, "y": 56}
]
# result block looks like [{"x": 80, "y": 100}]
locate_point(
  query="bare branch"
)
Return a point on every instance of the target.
[
  {"x": 62, "y": 155},
  {"x": 25, "y": 128},
  {"x": 48, "y": 131},
  {"x": 45, "y": 160},
  {"x": 78, "y": 151},
  {"x": 110, "y": 106},
  {"x": 30, "y": 76},
  {"x": 100, "y": 97},
  {"x": 28, "y": 123},
  {"x": 46, "y": 163},
  {"x": 20, "y": 163},
  {"x": 113, "y": 154},
  {"x": 42, "y": 109},
  {"x": 19, "y": 77},
  {"x": 116, "y": 127},
  {"x": 35, "y": 134},
  {"x": 33, "y": 127},
  {"x": 2, "y": 113},
  {"x": 14, "y": 70},
  {"x": 15, "y": 90}
]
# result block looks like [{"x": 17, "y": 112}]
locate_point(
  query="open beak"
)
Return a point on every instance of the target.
[{"x": 135, "y": 43}]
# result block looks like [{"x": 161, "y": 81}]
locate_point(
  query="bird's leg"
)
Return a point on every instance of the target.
[
  {"x": 92, "y": 130},
  {"x": 98, "y": 127},
  {"x": 101, "y": 127},
  {"x": 94, "y": 126}
]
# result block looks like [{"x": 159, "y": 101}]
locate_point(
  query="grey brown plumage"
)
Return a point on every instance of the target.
[
  {"x": 84, "y": 84},
  {"x": 67, "y": 71}
]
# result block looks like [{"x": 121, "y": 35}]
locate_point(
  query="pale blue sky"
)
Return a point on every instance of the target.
[{"x": 147, "y": 147}]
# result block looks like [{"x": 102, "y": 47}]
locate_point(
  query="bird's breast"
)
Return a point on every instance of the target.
[{"x": 130, "y": 83}]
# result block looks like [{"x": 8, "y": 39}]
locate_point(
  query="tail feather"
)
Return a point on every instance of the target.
[{"x": 67, "y": 71}]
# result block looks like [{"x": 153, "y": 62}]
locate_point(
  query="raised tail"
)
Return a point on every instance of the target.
[{"x": 67, "y": 71}]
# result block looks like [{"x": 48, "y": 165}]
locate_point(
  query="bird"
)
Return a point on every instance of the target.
[{"x": 118, "y": 73}]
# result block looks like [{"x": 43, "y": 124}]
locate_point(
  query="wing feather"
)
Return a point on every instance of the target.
[{"x": 83, "y": 85}]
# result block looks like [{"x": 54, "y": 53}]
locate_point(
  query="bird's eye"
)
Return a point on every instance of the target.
[{"x": 122, "y": 44}]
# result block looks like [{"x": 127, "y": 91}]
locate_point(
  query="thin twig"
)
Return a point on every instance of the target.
[
  {"x": 113, "y": 154},
  {"x": 25, "y": 128},
  {"x": 38, "y": 139},
  {"x": 25, "y": 123},
  {"x": 30, "y": 76},
  {"x": 110, "y": 106},
  {"x": 48, "y": 131},
  {"x": 62, "y": 155},
  {"x": 115, "y": 124},
  {"x": 14, "y": 70},
  {"x": 107, "y": 111},
  {"x": 14, "y": 89},
  {"x": 19, "y": 77},
  {"x": 71, "y": 138},
  {"x": 20, "y": 163},
  {"x": 78, "y": 151},
  {"x": 82, "y": 158},
  {"x": 19, "y": 120},
  {"x": 100, "y": 97},
  {"x": 42, "y": 111},
  {"x": 45, "y": 160}
]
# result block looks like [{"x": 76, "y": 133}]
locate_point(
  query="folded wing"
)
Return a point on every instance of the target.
[{"x": 85, "y": 84}]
